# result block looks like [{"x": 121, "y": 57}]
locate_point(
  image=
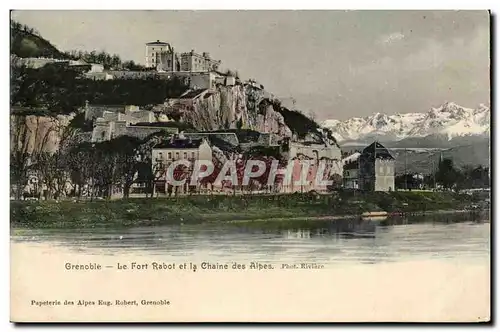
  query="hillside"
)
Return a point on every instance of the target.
[
  {"x": 447, "y": 121},
  {"x": 56, "y": 90},
  {"x": 26, "y": 43}
]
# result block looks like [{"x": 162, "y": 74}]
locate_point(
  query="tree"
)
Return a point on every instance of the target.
[
  {"x": 409, "y": 181},
  {"x": 447, "y": 175},
  {"x": 131, "y": 65},
  {"x": 20, "y": 161},
  {"x": 53, "y": 168},
  {"x": 473, "y": 177},
  {"x": 127, "y": 150},
  {"x": 336, "y": 182},
  {"x": 81, "y": 164},
  {"x": 464, "y": 177},
  {"x": 105, "y": 175}
]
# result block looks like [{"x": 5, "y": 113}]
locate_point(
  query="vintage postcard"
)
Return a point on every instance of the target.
[{"x": 250, "y": 166}]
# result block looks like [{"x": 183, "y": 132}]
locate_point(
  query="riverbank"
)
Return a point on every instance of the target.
[{"x": 234, "y": 209}]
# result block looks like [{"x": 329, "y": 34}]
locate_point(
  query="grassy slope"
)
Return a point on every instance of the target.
[{"x": 198, "y": 209}]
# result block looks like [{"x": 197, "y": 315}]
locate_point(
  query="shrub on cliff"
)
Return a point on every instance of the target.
[{"x": 296, "y": 121}]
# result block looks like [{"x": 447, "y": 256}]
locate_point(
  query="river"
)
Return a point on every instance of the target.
[{"x": 448, "y": 254}]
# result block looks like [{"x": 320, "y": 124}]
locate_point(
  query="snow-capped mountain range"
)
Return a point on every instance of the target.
[{"x": 449, "y": 120}]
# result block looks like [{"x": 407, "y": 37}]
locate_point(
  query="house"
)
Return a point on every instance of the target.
[
  {"x": 351, "y": 171},
  {"x": 179, "y": 147},
  {"x": 317, "y": 150},
  {"x": 195, "y": 62},
  {"x": 376, "y": 168}
]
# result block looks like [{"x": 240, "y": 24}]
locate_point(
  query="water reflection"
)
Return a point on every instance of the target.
[{"x": 365, "y": 241}]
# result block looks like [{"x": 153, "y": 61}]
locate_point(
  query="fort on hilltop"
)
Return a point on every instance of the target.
[{"x": 163, "y": 57}]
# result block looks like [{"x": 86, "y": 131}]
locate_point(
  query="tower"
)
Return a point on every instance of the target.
[{"x": 155, "y": 51}]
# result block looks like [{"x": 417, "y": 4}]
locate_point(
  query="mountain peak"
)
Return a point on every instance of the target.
[{"x": 449, "y": 119}]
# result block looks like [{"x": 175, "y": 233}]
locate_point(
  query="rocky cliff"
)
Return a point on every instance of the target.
[
  {"x": 227, "y": 107},
  {"x": 32, "y": 133},
  {"x": 232, "y": 107}
]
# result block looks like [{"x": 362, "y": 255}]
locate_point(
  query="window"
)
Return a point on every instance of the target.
[
  {"x": 185, "y": 155},
  {"x": 177, "y": 155},
  {"x": 160, "y": 156},
  {"x": 170, "y": 155},
  {"x": 192, "y": 155},
  {"x": 153, "y": 48}
]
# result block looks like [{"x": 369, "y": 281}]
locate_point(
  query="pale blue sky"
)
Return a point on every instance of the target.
[{"x": 337, "y": 64}]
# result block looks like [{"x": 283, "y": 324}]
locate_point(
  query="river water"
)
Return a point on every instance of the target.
[
  {"x": 326, "y": 242},
  {"x": 421, "y": 269}
]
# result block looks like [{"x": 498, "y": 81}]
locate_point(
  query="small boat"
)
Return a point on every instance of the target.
[{"x": 374, "y": 216}]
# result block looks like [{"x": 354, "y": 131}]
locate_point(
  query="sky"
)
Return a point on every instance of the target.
[{"x": 333, "y": 64}]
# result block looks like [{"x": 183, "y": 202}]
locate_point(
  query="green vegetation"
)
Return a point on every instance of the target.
[
  {"x": 61, "y": 90},
  {"x": 448, "y": 176},
  {"x": 412, "y": 201},
  {"x": 109, "y": 61},
  {"x": 201, "y": 209},
  {"x": 297, "y": 122},
  {"x": 26, "y": 42},
  {"x": 79, "y": 122}
]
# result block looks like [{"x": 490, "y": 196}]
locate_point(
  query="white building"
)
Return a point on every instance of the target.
[
  {"x": 178, "y": 147},
  {"x": 350, "y": 178}
]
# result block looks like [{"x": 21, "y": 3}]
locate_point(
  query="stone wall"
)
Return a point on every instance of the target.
[
  {"x": 142, "y": 131},
  {"x": 315, "y": 151}
]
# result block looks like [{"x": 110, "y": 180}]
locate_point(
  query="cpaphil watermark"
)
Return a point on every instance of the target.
[{"x": 296, "y": 172}]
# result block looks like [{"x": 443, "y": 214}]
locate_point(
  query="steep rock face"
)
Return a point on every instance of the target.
[
  {"x": 235, "y": 107},
  {"x": 32, "y": 133},
  {"x": 270, "y": 121}
]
